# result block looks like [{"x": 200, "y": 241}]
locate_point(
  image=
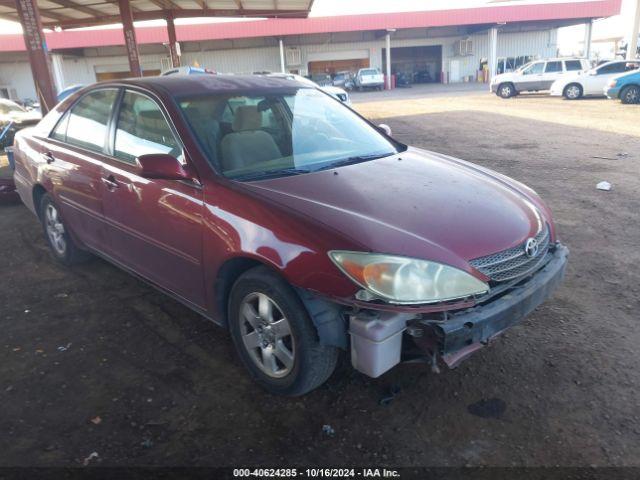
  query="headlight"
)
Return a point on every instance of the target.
[
  {"x": 406, "y": 280},
  {"x": 613, "y": 83}
]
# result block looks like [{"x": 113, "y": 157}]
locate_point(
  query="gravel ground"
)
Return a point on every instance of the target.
[{"x": 93, "y": 360}]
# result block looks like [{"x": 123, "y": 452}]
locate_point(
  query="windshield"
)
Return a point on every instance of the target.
[{"x": 248, "y": 137}]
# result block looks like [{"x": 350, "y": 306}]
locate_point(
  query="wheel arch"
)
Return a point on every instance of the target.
[
  {"x": 577, "y": 84},
  {"x": 326, "y": 316},
  {"x": 625, "y": 87}
]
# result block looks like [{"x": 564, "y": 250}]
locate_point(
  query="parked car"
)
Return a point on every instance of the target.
[
  {"x": 369, "y": 78},
  {"x": 591, "y": 82},
  {"x": 290, "y": 220},
  {"x": 535, "y": 76},
  {"x": 343, "y": 80},
  {"x": 625, "y": 86},
  {"x": 13, "y": 117},
  {"x": 189, "y": 71},
  {"x": 335, "y": 92}
]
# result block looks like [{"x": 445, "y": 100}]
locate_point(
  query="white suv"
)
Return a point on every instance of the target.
[
  {"x": 591, "y": 82},
  {"x": 535, "y": 76}
]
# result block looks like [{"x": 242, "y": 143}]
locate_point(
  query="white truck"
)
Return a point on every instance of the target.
[{"x": 369, "y": 78}]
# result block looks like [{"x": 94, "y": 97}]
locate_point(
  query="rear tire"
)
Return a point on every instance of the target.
[
  {"x": 506, "y": 90},
  {"x": 630, "y": 94},
  {"x": 275, "y": 337},
  {"x": 62, "y": 246},
  {"x": 573, "y": 91}
]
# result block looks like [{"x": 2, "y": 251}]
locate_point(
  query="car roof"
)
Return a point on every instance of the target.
[{"x": 194, "y": 85}]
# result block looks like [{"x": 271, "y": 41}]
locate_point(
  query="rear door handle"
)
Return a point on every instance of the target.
[
  {"x": 47, "y": 157},
  {"x": 110, "y": 182}
]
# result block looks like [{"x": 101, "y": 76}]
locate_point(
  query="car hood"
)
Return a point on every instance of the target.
[
  {"x": 503, "y": 77},
  {"x": 21, "y": 117},
  {"x": 418, "y": 204}
]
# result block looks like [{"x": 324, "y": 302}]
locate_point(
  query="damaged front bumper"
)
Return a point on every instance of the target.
[{"x": 377, "y": 337}]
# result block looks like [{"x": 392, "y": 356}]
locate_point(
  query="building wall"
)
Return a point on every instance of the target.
[{"x": 243, "y": 57}]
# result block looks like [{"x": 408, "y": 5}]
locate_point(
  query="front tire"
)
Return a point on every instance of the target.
[
  {"x": 275, "y": 337},
  {"x": 630, "y": 95},
  {"x": 62, "y": 246},
  {"x": 506, "y": 90},
  {"x": 573, "y": 91}
]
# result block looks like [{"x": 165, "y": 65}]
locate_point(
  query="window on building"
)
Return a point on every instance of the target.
[
  {"x": 87, "y": 122},
  {"x": 143, "y": 129},
  {"x": 553, "y": 67}
]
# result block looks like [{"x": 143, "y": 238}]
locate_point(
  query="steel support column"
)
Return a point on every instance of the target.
[
  {"x": 588, "y": 34},
  {"x": 632, "y": 46},
  {"x": 388, "y": 60},
  {"x": 493, "y": 53},
  {"x": 38, "y": 55},
  {"x": 283, "y": 67},
  {"x": 130, "y": 38},
  {"x": 174, "y": 48}
]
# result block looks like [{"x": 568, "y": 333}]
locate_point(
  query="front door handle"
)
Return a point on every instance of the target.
[
  {"x": 47, "y": 157},
  {"x": 110, "y": 182}
]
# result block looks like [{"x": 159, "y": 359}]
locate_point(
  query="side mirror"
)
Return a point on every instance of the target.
[
  {"x": 163, "y": 166},
  {"x": 384, "y": 128}
]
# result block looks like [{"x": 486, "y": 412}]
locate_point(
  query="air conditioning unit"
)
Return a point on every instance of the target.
[
  {"x": 463, "y": 48},
  {"x": 294, "y": 57}
]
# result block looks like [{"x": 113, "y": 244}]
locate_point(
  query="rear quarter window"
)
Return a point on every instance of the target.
[{"x": 573, "y": 65}]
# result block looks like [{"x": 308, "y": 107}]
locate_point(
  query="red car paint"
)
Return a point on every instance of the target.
[{"x": 180, "y": 234}]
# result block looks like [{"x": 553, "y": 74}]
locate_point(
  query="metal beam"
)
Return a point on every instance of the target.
[
  {"x": 588, "y": 35},
  {"x": 283, "y": 67},
  {"x": 493, "y": 53},
  {"x": 130, "y": 38},
  {"x": 184, "y": 13},
  {"x": 76, "y": 6},
  {"x": 632, "y": 46},
  {"x": 36, "y": 44},
  {"x": 173, "y": 42}
]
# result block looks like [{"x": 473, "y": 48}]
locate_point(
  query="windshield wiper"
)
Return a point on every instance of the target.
[
  {"x": 262, "y": 175},
  {"x": 356, "y": 159}
]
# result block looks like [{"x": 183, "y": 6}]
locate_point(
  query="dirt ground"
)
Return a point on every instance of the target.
[{"x": 93, "y": 360}]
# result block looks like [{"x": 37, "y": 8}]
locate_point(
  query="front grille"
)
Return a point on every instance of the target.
[{"x": 513, "y": 262}]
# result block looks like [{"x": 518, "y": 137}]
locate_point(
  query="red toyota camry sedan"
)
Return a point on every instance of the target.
[{"x": 277, "y": 212}]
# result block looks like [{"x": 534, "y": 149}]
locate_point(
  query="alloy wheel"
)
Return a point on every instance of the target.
[
  {"x": 573, "y": 92},
  {"x": 505, "y": 91},
  {"x": 55, "y": 230},
  {"x": 632, "y": 95},
  {"x": 266, "y": 334}
]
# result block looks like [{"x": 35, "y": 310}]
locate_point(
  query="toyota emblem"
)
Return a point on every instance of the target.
[{"x": 531, "y": 247}]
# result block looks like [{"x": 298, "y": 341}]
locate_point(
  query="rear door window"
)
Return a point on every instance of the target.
[
  {"x": 87, "y": 120},
  {"x": 553, "y": 67},
  {"x": 143, "y": 129}
]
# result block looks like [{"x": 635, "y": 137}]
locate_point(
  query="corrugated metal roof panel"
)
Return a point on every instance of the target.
[{"x": 293, "y": 26}]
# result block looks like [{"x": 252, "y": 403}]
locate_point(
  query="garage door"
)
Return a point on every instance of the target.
[
  {"x": 333, "y": 66},
  {"x": 418, "y": 64}
]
